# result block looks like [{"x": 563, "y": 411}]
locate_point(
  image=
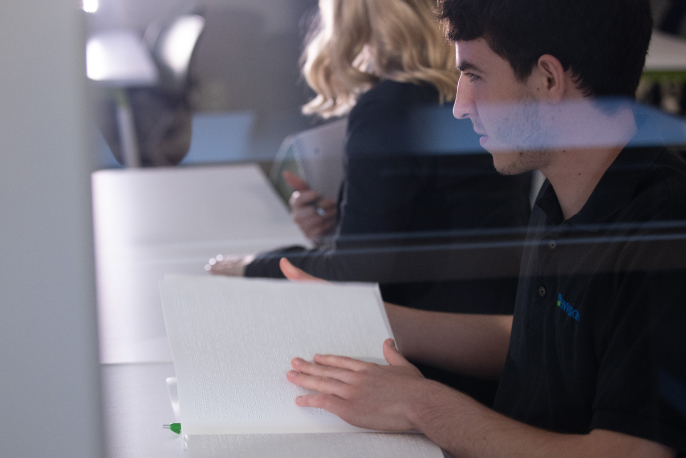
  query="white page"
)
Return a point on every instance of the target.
[
  {"x": 319, "y": 154},
  {"x": 342, "y": 445},
  {"x": 232, "y": 340}
]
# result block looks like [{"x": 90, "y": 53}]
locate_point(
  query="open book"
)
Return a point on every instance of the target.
[
  {"x": 316, "y": 155},
  {"x": 232, "y": 340}
]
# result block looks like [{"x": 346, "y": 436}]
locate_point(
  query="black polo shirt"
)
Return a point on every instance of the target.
[{"x": 599, "y": 333}]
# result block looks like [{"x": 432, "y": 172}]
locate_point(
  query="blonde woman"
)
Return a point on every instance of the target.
[{"x": 408, "y": 182}]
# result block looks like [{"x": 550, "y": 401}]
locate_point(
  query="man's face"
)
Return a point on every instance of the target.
[{"x": 503, "y": 109}]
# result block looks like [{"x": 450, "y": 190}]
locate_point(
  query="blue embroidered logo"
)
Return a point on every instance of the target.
[{"x": 567, "y": 308}]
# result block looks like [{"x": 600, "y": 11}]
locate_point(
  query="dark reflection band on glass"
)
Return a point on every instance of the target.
[
  {"x": 474, "y": 258},
  {"x": 488, "y": 242}
]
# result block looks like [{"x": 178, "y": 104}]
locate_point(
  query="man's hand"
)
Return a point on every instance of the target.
[
  {"x": 232, "y": 266},
  {"x": 315, "y": 215},
  {"x": 398, "y": 398},
  {"x": 293, "y": 273},
  {"x": 363, "y": 394}
]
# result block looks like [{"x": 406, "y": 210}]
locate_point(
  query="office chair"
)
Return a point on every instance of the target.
[{"x": 161, "y": 113}]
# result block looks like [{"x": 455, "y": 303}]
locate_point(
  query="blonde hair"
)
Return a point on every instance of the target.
[{"x": 358, "y": 42}]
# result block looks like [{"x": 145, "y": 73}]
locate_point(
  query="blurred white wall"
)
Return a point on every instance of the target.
[{"x": 49, "y": 384}]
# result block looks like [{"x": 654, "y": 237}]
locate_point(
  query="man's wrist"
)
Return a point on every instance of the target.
[{"x": 430, "y": 403}]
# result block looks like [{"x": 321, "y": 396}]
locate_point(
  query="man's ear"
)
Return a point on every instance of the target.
[{"x": 551, "y": 77}]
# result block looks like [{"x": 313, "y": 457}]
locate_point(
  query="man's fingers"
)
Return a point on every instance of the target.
[
  {"x": 293, "y": 273},
  {"x": 392, "y": 355},
  {"x": 341, "y": 361},
  {"x": 376, "y": 396},
  {"x": 294, "y": 181},
  {"x": 328, "y": 402},
  {"x": 324, "y": 385},
  {"x": 337, "y": 373}
]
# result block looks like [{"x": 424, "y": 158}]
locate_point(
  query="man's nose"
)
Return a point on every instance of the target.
[{"x": 463, "y": 100}]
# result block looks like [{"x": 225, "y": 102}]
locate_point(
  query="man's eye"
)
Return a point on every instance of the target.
[{"x": 472, "y": 77}]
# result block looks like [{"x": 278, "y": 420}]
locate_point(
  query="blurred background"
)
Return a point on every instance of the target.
[{"x": 244, "y": 86}]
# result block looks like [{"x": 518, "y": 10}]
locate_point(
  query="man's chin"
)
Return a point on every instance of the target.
[{"x": 509, "y": 162}]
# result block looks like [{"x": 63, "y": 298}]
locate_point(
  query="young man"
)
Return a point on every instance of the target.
[{"x": 594, "y": 360}]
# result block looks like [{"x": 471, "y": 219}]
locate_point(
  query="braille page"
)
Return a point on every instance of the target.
[
  {"x": 344, "y": 445},
  {"x": 232, "y": 340}
]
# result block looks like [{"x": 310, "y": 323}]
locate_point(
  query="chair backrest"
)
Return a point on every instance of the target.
[
  {"x": 161, "y": 113},
  {"x": 316, "y": 155},
  {"x": 172, "y": 46}
]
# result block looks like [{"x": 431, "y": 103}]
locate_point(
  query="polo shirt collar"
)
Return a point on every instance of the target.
[{"x": 614, "y": 190}]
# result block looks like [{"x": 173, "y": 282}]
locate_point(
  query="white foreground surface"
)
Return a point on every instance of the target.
[
  {"x": 152, "y": 222},
  {"x": 233, "y": 340},
  {"x": 342, "y": 445}
]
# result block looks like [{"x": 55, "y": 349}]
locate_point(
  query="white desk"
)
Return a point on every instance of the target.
[
  {"x": 135, "y": 406},
  {"x": 666, "y": 57},
  {"x": 150, "y": 222}
]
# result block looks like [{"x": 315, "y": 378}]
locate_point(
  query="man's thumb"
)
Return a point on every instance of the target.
[
  {"x": 293, "y": 273},
  {"x": 392, "y": 355}
]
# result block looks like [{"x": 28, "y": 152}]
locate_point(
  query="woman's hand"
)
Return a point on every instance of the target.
[
  {"x": 231, "y": 265},
  {"x": 314, "y": 214}
]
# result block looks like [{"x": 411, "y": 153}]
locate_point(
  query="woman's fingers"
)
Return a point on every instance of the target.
[
  {"x": 294, "y": 181},
  {"x": 232, "y": 265},
  {"x": 301, "y": 199}
]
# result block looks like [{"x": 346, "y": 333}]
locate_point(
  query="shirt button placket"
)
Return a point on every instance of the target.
[{"x": 542, "y": 291}]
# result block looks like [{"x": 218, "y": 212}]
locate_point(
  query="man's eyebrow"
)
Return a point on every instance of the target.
[{"x": 465, "y": 66}]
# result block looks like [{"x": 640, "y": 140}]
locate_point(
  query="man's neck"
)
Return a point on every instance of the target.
[
  {"x": 577, "y": 176},
  {"x": 574, "y": 173}
]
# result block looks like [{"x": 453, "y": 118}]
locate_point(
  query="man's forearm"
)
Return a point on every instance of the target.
[
  {"x": 396, "y": 397},
  {"x": 474, "y": 345},
  {"x": 465, "y": 428}
]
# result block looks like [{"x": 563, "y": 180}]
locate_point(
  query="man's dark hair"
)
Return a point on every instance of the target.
[{"x": 603, "y": 42}]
